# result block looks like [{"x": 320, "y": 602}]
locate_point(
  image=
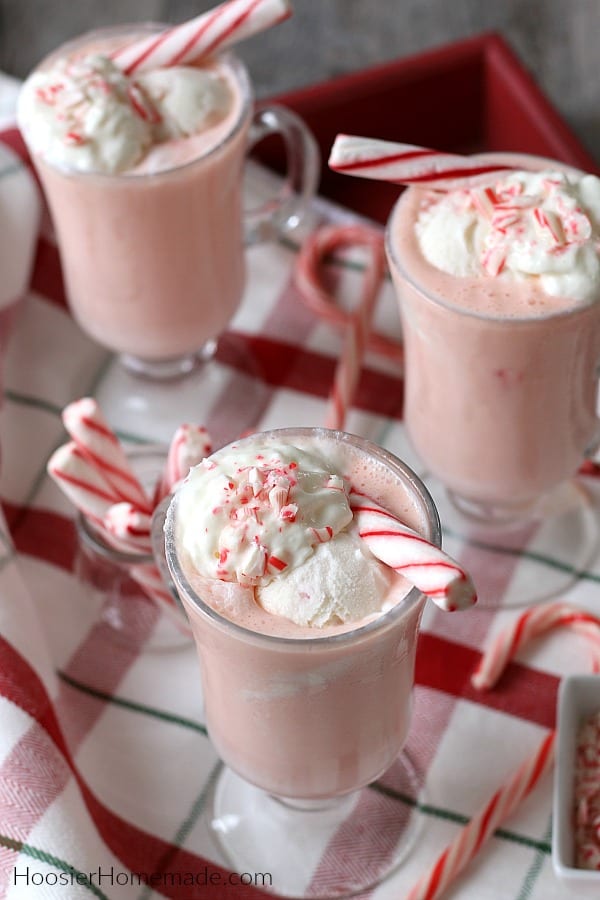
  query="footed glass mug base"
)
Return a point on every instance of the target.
[
  {"x": 169, "y": 369},
  {"x": 228, "y": 393},
  {"x": 553, "y": 540},
  {"x": 331, "y": 848}
]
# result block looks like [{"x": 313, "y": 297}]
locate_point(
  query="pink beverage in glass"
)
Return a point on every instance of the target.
[
  {"x": 153, "y": 254},
  {"x": 152, "y": 257},
  {"x": 305, "y": 712},
  {"x": 501, "y": 377}
]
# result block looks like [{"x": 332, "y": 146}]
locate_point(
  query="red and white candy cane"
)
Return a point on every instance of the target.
[
  {"x": 308, "y": 279},
  {"x": 529, "y": 625},
  {"x": 423, "y": 564},
  {"x": 532, "y": 623},
  {"x": 208, "y": 33},
  {"x": 471, "y": 838},
  {"x": 406, "y": 163},
  {"x": 130, "y": 526},
  {"x": 89, "y": 429},
  {"x": 347, "y": 371},
  {"x": 81, "y": 481},
  {"x": 189, "y": 446}
]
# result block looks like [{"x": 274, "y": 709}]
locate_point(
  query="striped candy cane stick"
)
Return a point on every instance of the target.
[
  {"x": 208, "y": 33},
  {"x": 189, "y": 446},
  {"x": 81, "y": 481},
  {"x": 529, "y": 625},
  {"x": 406, "y": 163},
  {"x": 130, "y": 526},
  {"x": 471, "y": 838},
  {"x": 413, "y": 556},
  {"x": 89, "y": 429},
  {"x": 348, "y": 369},
  {"x": 309, "y": 283}
]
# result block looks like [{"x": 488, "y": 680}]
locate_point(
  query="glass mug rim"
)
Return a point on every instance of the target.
[
  {"x": 304, "y": 644},
  {"x": 438, "y": 299},
  {"x": 231, "y": 61}
]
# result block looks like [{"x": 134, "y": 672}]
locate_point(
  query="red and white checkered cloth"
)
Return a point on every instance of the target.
[{"x": 104, "y": 757}]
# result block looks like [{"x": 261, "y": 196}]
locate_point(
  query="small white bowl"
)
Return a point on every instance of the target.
[{"x": 578, "y": 700}]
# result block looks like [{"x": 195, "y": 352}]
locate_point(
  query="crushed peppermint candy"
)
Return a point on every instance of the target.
[
  {"x": 527, "y": 225},
  {"x": 83, "y": 113},
  {"x": 245, "y": 517},
  {"x": 88, "y": 115},
  {"x": 587, "y": 795}
]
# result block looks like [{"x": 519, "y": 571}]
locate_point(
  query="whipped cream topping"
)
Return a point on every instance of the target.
[
  {"x": 528, "y": 225},
  {"x": 244, "y": 516},
  {"x": 340, "y": 582},
  {"x": 84, "y": 114},
  {"x": 187, "y": 100},
  {"x": 278, "y": 522}
]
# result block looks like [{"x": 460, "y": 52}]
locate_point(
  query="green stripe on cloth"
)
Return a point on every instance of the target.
[
  {"x": 54, "y": 410},
  {"x": 534, "y": 870},
  {"x": 132, "y": 705},
  {"x": 541, "y": 847},
  {"x": 33, "y": 402},
  {"x": 527, "y": 554},
  {"x": 54, "y": 861}
]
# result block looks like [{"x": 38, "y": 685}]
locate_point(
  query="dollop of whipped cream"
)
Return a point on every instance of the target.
[
  {"x": 528, "y": 225},
  {"x": 187, "y": 100},
  {"x": 280, "y": 523},
  {"x": 85, "y": 115},
  {"x": 340, "y": 582},
  {"x": 243, "y": 516}
]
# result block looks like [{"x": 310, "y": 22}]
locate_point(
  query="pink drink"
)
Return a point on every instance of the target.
[
  {"x": 152, "y": 256},
  {"x": 311, "y": 712},
  {"x": 501, "y": 382}
]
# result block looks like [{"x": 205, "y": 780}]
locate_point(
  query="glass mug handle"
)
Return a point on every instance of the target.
[{"x": 283, "y": 212}]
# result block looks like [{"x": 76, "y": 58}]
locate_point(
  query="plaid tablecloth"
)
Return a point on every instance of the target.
[{"x": 104, "y": 756}]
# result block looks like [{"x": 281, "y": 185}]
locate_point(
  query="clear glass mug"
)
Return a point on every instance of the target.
[
  {"x": 113, "y": 580},
  {"x": 309, "y": 721},
  {"x": 154, "y": 262},
  {"x": 501, "y": 410}
]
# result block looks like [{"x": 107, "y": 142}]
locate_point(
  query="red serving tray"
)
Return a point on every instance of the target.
[{"x": 467, "y": 96}]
